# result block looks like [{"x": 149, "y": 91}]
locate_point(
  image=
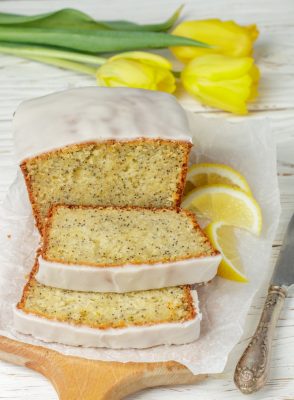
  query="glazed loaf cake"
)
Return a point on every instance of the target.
[
  {"x": 102, "y": 146},
  {"x": 128, "y": 320},
  {"x": 114, "y": 249}
]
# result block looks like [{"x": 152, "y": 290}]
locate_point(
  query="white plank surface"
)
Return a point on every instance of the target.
[{"x": 21, "y": 79}]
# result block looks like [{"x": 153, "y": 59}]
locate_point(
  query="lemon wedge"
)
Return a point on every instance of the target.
[
  {"x": 210, "y": 174},
  {"x": 223, "y": 203},
  {"x": 223, "y": 239}
]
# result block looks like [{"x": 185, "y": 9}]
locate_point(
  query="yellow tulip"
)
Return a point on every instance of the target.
[
  {"x": 221, "y": 81},
  {"x": 225, "y": 37},
  {"x": 137, "y": 69}
]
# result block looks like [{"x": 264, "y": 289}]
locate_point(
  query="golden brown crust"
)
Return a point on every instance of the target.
[
  {"x": 191, "y": 305},
  {"x": 182, "y": 179},
  {"x": 65, "y": 149},
  {"x": 189, "y": 214},
  {"x": 35, "y": 208},
  {"x": 180, "y": 186},
  {"x": 21, "y": 304},
  {"x": 31, "y": 281}
]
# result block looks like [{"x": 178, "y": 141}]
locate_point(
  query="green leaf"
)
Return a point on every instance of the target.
[
  {"x": 63, "y": 19},
  {"x": 98, "y": 41},
  {"x": 74, "y": 19},
  {"x": 162, "y": 27}
]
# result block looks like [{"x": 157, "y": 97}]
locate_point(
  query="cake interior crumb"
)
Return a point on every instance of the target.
[
  {"x": 110, "y": 310},
  {"x": 114, "y": 236},
  {"x": 139, "y": 173}
]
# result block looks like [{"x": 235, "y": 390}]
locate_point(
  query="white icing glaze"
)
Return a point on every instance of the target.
[
  {"x": 127, "y": 278},
  {"x": 120, "y": 338},
  {"x": 93, "y": 113}
]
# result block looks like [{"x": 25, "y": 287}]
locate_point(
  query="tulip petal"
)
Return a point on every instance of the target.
[
  {"x": 223, "y": 98},
  {"x": 255, "y": 75},
  {"x": 225, "y": 37},
  {"x": 165, "y": 80},
  {"x": 133, "y": 73},
  {"x": 128, "y": 73},
  {"x": 253, "y": 31},
  {"x": 145, "y": 58},
  {"x": 218, "y": 67},
  {"x": 221, "y": 81}
]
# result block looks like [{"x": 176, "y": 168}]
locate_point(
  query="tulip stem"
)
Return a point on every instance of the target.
[
  {"x": 74, "y": 66},
  {"x": 38, "y": 51},
  {"x": 65, "y": 64}
]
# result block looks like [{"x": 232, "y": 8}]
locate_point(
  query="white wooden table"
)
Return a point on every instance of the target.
[{"x": 21, "y": 79}]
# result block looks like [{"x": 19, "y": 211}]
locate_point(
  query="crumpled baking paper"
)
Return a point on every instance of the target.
[{"x": 246, "y": 145}]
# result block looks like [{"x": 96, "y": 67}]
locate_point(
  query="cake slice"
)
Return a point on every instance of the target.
[
  {"x": 148, "y": 173},
  {"x": 114, "y": 249},
  {"x": 102, "y": 146},
  {"x": 128, "y": 320}
]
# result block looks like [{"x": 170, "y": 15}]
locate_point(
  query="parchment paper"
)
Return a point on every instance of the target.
[{"x": 248, "y": 146}]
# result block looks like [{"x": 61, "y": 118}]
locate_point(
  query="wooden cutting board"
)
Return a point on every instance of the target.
[{"x": 76, "y": 378}]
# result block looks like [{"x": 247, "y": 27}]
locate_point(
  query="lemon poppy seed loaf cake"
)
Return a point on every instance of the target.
[
  {"x": 114, "y": 320},
  {"x": 102, "y": 146},
  {"x": 122, "y": 249}
]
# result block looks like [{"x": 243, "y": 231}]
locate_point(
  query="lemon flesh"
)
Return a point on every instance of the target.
[
  {"x": 223, "y": 203},
  {"x": 223, "y": 239},
  {"x": 210, "y": 174}
]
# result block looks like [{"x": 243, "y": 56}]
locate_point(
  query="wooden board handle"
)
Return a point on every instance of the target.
[{"x": 76, "y": 378}]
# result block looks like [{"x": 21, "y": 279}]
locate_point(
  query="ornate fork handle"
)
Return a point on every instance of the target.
[{"x": 252, "y": 369}]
